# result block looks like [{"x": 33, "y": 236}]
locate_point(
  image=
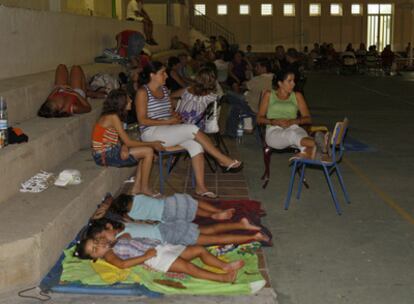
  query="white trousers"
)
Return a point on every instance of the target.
[
  {"x": 281, "y": 138},
  {"x": 173, "y": 135}
]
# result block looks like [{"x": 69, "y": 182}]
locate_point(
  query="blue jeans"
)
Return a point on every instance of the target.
[
  {"x": 112, "y": 158},
  {"x": 239, "y": 108}
]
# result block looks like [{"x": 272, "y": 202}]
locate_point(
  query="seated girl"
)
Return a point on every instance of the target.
[
  {"x": 179, "y": 206},
  {"x": 108, "y": 133},
  {"x": 69, "y": 95},
  {"x": 126, "y": 252},
  {"x": 195, "y": 99},
  {"x": 158, "y": 121},
  {"x": 279, "y": 109},
  {"x": 181, "y": 232}
]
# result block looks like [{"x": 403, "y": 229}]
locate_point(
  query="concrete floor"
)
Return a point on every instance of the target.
[{"x": 365, "y": 255}]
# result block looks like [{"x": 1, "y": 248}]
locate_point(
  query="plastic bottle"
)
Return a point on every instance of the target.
[
  {"x": 240, "y": 131},
  {"x": 3, "y": 123}
]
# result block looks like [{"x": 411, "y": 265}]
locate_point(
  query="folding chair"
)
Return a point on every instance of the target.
[
  {"x": 170, "y": 166},
  {"x": 328, "y": 166}
]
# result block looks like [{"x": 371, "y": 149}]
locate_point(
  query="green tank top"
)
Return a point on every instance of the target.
[{"x": 282, "y": 109}]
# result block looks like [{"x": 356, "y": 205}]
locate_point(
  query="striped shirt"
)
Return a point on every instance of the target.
[
  {"x": 132, "y": 248},
  {"x": 104, "y": 138},
  {"x": 157, "y": 108}
]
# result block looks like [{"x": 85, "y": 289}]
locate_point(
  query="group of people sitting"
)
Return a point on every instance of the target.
[
  {"x": 325, "y": 55},
  {"x": 166, "y": 124}
]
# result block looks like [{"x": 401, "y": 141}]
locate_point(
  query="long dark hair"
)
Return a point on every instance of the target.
[
  {"x": 46, "y": 110},
  {"x": 116, "y": 103},
  {"x": 119, "y": 205},
  {"x": 94, "y": 227},
  {"x": 151, "y": 68}
]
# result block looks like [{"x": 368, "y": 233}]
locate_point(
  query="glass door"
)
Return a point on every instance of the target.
[{"x": 379, "y": 32}]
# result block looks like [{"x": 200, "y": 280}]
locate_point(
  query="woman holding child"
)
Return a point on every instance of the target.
[{"x": 158, "y": 121}]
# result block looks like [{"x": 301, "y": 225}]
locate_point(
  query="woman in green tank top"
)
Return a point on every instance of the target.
[{"x": 279, "y": 110}]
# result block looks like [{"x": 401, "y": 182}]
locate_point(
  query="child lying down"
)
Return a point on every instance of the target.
[
  {"x": 125, "y": 252},
  {"x": 178, "y": 206}
]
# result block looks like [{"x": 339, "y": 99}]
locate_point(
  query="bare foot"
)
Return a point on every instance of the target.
[
  {"x": 261, "y": 237},
  {"x": 224, "y": 215},
  {"x": 236, "y": 265},
  {"x": 230, "y": 277},
  {"x": 247, "y": 226}
]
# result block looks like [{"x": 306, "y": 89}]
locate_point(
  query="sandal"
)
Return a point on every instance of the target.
[
  {"x": 207, "y": 194},
  {"x": 232, "y": 168}
]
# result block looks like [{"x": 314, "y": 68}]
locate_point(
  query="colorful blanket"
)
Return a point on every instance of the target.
[{"x": 249, "y": 280}]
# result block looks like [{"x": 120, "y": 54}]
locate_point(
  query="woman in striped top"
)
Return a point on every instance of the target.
[
  {"x": 108, "y": 133},
  {"x": 158, "y": 121}
]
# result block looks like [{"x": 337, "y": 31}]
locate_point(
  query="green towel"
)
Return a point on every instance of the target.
[{"x": 249, "y": 279}]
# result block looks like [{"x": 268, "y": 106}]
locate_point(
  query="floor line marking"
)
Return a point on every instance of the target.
[
  {"x": 385, "y": 197},
  {"x": 382, "y": 94}
]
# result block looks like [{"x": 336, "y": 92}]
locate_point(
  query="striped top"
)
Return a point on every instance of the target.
[
  {"x": 131, "y": 248},
  {"x": 104, "y": 138},
  {"x": 157, "y": 108}
]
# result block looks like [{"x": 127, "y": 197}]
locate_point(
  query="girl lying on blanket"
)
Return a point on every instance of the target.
[
  {"x": 179, "y": 206},
  {"x": 113, "y": 147},
  {"x": 179, "y": 232},
  {"x": 127, "y": 252}
]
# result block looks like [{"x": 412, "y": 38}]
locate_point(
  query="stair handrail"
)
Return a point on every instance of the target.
[{"x": 201, "y": 22}]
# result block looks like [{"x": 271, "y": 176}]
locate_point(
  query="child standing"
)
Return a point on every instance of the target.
[{"x": 112, "y": 146}]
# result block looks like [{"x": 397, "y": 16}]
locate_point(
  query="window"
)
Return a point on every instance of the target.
[
  {"x": 314, "y": 9},
  {"x": 385, "y": 8},
  {"x": 199, "y": 9},
  {"x": 336, "y": 9},
  {"x": 222, "y": 9},
  {"x": 289, "y": 9},
  {"x": 356, "y": 9},
  {"x": 267, "y": 9},
  {"x": 374, "y": 9},
  {"x": 244, "y": 9}
]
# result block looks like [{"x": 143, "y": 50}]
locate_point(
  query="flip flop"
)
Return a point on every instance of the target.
[{"x": 207, "y": 194}]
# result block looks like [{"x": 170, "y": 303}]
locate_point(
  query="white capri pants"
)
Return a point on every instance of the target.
[
  {"x": 281, "y": 138},
  {"x": 174, "y": 135}
]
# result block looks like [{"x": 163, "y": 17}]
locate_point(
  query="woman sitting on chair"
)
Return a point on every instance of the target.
[
  {"x": 158, "y": 121},
  {"x": 195, "y": 99},
  {"x": 279, "y": 111}
]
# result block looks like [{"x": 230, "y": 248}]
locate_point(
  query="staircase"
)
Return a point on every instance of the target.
[{"x": 209, "y": 27}]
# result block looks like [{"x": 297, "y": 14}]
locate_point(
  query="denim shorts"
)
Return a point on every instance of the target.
[{"x": 112, "y": 158}]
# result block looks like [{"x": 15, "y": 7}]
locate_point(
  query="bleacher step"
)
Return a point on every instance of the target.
[{"x": 35, "y": 227}]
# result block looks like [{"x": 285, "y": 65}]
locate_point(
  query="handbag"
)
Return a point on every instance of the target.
[{"x": 211, "y": 123}]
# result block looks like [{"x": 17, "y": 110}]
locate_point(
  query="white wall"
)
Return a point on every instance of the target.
[{"x": 35, "y": 41}]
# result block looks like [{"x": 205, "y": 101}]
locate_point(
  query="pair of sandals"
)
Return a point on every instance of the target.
[{"x": 37, "y": 183}]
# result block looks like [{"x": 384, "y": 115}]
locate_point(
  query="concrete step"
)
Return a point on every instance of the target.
[
  {"x": 50, "y": 142},
  {"x": 25, "y": 94},
  {"x": 34, "y": 228}
]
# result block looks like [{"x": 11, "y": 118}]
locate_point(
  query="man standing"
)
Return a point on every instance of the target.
[{"x": 136, "y": 12}]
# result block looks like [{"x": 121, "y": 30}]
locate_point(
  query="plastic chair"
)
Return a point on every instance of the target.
[
  {"x": 170, "y": 166},
  {"x": 328, "y": 166}
]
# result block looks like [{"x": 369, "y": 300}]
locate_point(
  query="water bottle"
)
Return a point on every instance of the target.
[
  {"x": 240, "y": 131},
  {"x": 3, "y": 123}
]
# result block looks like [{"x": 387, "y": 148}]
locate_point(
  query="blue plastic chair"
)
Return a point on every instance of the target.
[
  {"x": 328, "y": 166},
  {"x": 170, "y": 155}
]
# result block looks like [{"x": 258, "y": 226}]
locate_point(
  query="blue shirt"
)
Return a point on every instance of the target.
[
  {"x": 146, "y": 208},
  {"x": 138, "y": 230}
]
